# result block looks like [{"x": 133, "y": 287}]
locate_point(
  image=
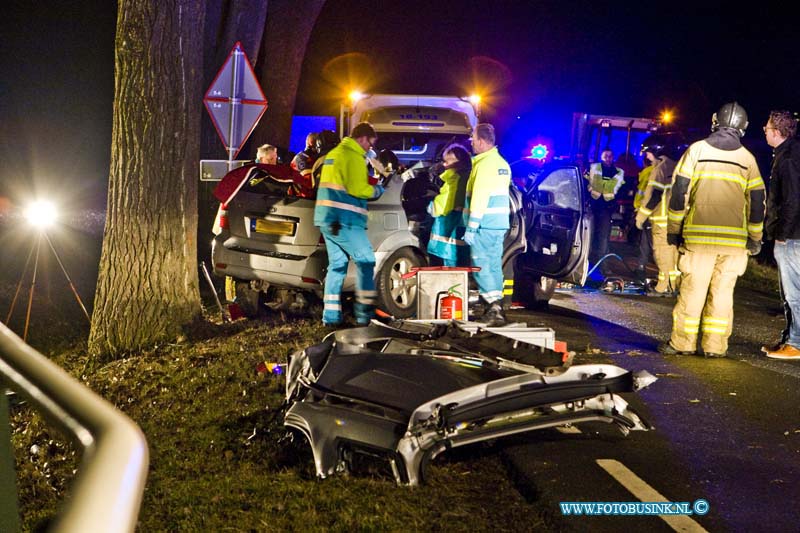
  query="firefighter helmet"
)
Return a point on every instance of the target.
[
  {"x": 326, "y": 141},
  {"x": 670, "y": 144},
  {"x": 731, "y": 115},
  {"x": 654, "y": 144}
]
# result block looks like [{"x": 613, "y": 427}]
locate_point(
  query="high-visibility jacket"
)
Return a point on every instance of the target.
[
  {"x": 486, "y": 203},
  {"x": 717, "y": 199},
  {"x": 644, "y": 176},
  {"x": 343, "y": 187},
  {"x": 657, "y": 193},
  {"x": 448, "y": 224},
  {"x": 607, "y": 187}
]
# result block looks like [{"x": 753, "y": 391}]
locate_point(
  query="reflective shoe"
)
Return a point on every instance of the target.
[
  {"x": 787, "y": 351},
  {"x": 667, "y": 349},
  {"x": 494, "y": 316}
]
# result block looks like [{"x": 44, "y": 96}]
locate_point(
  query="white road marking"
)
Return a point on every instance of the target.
[{"x": 639, "y": 488}]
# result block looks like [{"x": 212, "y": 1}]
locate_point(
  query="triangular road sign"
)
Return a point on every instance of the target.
[{"x": 235, "y": 101}]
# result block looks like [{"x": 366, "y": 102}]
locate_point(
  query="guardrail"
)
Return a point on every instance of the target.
[{"x": 107, "y": 491}]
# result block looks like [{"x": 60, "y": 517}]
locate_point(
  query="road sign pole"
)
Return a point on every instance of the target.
[{"x": 236, "y": 103}]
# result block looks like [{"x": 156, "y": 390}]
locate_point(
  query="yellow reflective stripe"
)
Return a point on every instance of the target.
[
  {"x": 657, "y": 185},
  {"x": 720, "y": 241},
  {"x": 645, "y": 211},
  {"x": 721, "y": 176},
  {"x": 661, "y": 276},
  {"x": 755, "y": 228},
  {"x": 696, "y": 228},
  {"x": 659, "y": 218},
  {"x": 712, "y": 320},
  {"x": 508, "y": 292},
  {"x": 676, "y": 215},
  {"x": 755, "y": 183},
  {"x": 720, "y": 331},
  {"x": 335, "y": 186}
]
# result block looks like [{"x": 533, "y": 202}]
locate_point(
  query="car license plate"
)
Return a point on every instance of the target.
[{"x": 273, "y": 227}]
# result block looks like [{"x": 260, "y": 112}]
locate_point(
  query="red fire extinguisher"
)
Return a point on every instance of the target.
[{"x": 449, "y": 304}]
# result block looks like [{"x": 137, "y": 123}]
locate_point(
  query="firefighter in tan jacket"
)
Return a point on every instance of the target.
[
  {"x": 716, "y": 215},
  {"x": 653, "y": 206}
]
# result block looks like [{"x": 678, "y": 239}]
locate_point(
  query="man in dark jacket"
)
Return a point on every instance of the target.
[{"x": 783, "y": 225}]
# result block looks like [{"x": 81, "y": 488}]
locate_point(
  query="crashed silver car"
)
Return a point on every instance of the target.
[{"x": 409, "y": 390}]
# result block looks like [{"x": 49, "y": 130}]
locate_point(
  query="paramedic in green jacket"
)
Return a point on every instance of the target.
[
  {"x": 341, "y": 215},
  {"x": 605, "y": 180},
  {"x": 447, "y": 208},
  {"x": 487, "y": 212}
]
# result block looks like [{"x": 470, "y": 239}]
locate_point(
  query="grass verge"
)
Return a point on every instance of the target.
[{"x": 216, "y": 461}]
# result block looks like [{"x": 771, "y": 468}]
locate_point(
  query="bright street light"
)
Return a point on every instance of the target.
[
  {"x": 41, "y": 214},
  {"x": 355, "y": 96}
]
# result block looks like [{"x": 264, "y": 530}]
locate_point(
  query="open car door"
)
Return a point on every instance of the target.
[{"x": 557, "y": 228}]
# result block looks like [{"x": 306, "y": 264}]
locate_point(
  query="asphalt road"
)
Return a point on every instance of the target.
[{"x": 726, "y": 430}]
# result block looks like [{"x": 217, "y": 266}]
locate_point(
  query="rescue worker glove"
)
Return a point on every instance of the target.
[
  {"x": 469, "y": 237},
  {"x": 674, "y": 239},
  {"x": 378, "y": 191},
  {"x": 640, "y": 220},
  {"x": 595, "y": 194},
  {"x": 608, "y": 197},
  {"x": 753, "y": 246}
]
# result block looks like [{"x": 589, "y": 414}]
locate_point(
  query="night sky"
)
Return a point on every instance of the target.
[{"x": 536, "y": 62}]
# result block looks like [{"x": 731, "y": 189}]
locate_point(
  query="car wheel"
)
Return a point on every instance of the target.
[
  {"x": 533, "y": 292},
  {"x": 249, "y": 300},
  {"x": 398, "y": 296}
]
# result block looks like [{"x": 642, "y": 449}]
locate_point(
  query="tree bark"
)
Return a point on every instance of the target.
[
  {"x": 289, "y": 26},
  {"x": 147, "y": 287}
]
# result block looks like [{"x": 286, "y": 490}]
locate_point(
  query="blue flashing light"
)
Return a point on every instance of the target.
[{"x": 539, "y": 152}]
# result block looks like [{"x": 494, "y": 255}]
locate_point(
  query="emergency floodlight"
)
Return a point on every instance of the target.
[
  {"x": 41, "y": 214},
  {"x": 666, "y": 117},
  {"x": 474, "y": 99},
  {"x": 355, "y": 96}
]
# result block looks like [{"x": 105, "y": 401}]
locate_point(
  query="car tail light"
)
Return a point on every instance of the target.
[
  {"x": 220, "y": 266},
  {"x": 222, "y": 216},
  {"x": 311, "y": 280}
]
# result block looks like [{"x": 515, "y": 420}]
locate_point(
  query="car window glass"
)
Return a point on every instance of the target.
[{"x": 564, "y": 187}]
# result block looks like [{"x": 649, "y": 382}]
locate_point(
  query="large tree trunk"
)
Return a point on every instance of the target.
[
  {"x": 147, "y": 287},
  {"x": 289, "y": 26}
]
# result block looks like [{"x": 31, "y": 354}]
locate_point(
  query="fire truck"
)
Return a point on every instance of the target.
[{"x": 593, "y": 133}]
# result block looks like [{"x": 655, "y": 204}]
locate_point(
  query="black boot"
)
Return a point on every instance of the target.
[{"x": 494, "y": 316}]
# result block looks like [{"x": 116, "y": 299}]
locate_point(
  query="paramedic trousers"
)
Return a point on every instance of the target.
[
  {"x": 487, "y": 253},
  {"x": 705, "y": 302},
  {"x": 342, "y": 244},
  {"x": 666, "y": 257}
]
